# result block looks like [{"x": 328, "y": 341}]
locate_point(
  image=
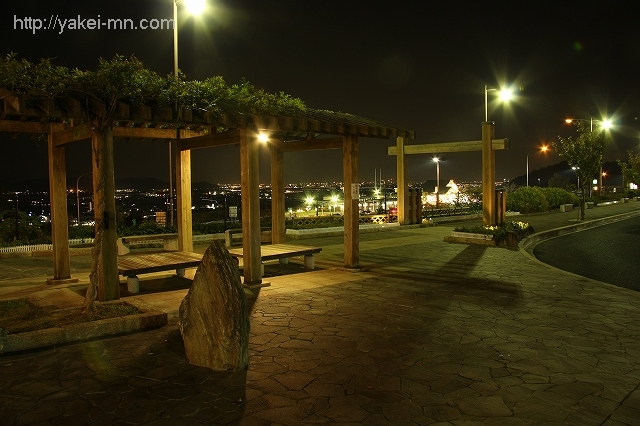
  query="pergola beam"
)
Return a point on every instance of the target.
[
  {"x": 439, "y": 148},
  {"x": 312, "y": 144},
  {"x": 83, "y": 131},
  {"x": 11, "y": 126},
  {"x": 231, "y": 137},
  {"x": 72, "y": 134}
]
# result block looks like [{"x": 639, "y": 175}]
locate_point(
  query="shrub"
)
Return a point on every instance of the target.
[
  {"x": 527, "y": 199},
  {"x": 557, "y": 196}
]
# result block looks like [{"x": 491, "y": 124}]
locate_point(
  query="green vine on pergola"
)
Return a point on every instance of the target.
[{"x": 128, "y": 80}]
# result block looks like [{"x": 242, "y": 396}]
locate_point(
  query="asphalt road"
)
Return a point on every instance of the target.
[{"x": 608, "y": 253}]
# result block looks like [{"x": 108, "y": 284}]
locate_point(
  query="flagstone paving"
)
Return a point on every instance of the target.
[{"x": 427, "y": 332}]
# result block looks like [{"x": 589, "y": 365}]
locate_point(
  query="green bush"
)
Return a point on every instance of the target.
[
  {"x": 557, "y": 196},
  {"x": 527, "y": 199}
]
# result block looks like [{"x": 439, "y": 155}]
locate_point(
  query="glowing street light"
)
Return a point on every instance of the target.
[
  {"x": 606, "y": 125},
  {"x": 505, "y": 95},
  {"x": 263, "y": 137},
  {"x": 543, "y": 148}
]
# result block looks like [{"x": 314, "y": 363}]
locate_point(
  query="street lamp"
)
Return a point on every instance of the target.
[
  {"x": 78, "y": 194},
  {"x": 575, "y": 169},
  {"x": 505, "y": 95},
  {"x": 195, "y": 7},
  {"x": 543, "y": 148},
  {"x": 606, "y": 125}
]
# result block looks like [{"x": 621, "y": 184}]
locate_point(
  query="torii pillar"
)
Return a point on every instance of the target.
[
  {"x": 488, "y": 174},
  {"x": 402, "y": 181}
]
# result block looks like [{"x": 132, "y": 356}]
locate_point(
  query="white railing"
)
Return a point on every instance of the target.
[
  {"x": 27, "y": 248},
  {"x": 79, "y": 241}
]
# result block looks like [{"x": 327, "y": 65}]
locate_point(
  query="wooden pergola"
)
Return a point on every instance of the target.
[{"x": 69, "y": 121}]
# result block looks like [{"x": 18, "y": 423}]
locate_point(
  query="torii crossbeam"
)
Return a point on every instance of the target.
[{"x": 488, "y": 145}]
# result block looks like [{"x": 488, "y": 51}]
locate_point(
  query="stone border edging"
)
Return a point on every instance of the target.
[
  {"x": 533, "y": 239},
  {"x": 148, "y": 319}
]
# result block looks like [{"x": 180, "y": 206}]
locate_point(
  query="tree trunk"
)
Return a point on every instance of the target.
[
  {"x": 98, "y": 210},
  {"x": 582, "y": 202}
]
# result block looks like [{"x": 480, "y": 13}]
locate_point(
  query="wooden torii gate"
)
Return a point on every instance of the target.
[{"x": 488, "y": 145}]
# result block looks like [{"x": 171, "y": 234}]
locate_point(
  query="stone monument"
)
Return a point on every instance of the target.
[{"x": 214, "y": 319}]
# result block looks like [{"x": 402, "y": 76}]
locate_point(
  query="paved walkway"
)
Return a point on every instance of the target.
[{"x": 427, "y": 333}]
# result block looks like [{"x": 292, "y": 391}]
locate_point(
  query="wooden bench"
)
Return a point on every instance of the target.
[
  {"x": 133, "y": 265},
  {"x": 283, "y": 252},
  {"x": 265, "y": 236},
  {"x": 170, "y": 241}
]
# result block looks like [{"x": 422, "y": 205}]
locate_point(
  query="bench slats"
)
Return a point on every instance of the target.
[
  {"x": 278, "y": 251},
  {"x": 146, "y": 263}
]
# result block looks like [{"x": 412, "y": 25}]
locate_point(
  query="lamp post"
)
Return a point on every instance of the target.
[
  {"x": 543, "y": 148},
  {"x": 606, "y": 124},
  {"x": 78, "y": 194},
  {"x": 437, "y": 161},
  {"x": 488, "y": 160},
  {"x": 195, "y": 7}
]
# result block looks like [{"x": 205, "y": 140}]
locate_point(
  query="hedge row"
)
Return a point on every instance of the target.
[{"x": 532, "y": 199}]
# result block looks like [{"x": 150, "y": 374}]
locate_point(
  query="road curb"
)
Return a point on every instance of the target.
[{"x": 527, "y": 243}]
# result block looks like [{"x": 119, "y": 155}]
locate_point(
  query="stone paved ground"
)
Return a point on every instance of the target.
[{"x": 428, "y": 333}]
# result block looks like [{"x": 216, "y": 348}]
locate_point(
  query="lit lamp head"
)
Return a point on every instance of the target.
[
  {"x": 263, "y": 137},
  {"x": 436, "y": 159},
  {"x": 506, "y": 95},
  {"x": 195, "y": 7}
]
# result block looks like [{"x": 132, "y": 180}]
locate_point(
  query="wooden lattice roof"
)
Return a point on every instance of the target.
[{"x": 19, "y": 115}]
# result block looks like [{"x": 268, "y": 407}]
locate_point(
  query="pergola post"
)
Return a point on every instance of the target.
[
  {"x": 104, "y": 193},
  {"x": 183, "y": 192},
  {"x": 351, "y": 198},
  {"x": 59, "y": 214},
  {"x": 249, "y": 184},
  {"x": 488, "y": 174},
  {"x": 402, "y": 186},
  {"x": 277, "y": 195}
]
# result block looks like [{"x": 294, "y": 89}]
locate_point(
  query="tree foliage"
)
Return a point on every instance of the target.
[
  {"x": 128, "y": 80},
  {"x": 584, "y": 154},
  {"x": 630, "y": 169}
]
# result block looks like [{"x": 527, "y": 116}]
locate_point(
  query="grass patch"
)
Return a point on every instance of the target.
[{"x": 20, "y": 315}]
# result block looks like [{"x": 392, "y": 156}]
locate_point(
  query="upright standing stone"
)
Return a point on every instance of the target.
[{"x": 214, "y": 320}]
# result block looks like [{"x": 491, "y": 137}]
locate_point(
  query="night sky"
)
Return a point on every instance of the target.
[{"x": 413, "y": 64}]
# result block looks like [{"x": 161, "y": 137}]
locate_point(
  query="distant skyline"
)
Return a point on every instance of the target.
[{"x": 403, "y": 63}]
